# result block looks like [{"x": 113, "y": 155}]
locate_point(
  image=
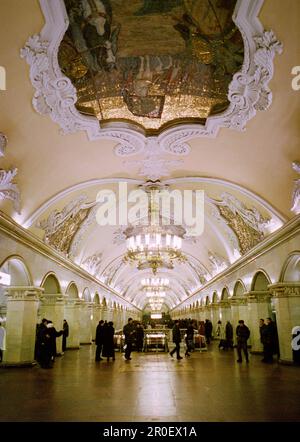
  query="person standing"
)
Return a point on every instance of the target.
[
  {"x": 208, "y": 330},
  {"x": 139, "y": 337},
  {"x": 242, "y": 333},
  {"x": 176, "y": 340},
  {"x": 2, "y": 341},
  {"x": 39, "y": 341},
  {"x": 108, "y": 341},
  {"x": 189, "y": 339},
  {"x": 262, "y": 327},
  {"x": 129, "y": 332},
  {"x": 229, "y": 335},
  {"x": 99, "y": 340},
  {"x": 269, "y": 340},
  {"x": 52, "y": 341},
  {"x": 222, "y": 335},
  {"x": 65, "y": 335}
]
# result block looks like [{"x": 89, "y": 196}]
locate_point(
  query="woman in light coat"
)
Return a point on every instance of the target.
[{"x": 2, "y": 341}]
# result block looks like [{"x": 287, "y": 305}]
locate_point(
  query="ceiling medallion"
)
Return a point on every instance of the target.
[{"x": 203, "y": 66}]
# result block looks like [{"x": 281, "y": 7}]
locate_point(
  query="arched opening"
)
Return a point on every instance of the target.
[
  {"x": 215, "y": 298},
  {"x": 207, "y": 300},
  {"x": 239, "y": 289},
  {"x": 86, "y": 295},
  {"x": 72, "y": 291},
  {"x": 291, "y": 269},
  {"x": 50, "y": 284},
  {"x": 96, "y": 299},
  {"x": 225, "y": 294},
  {"x": 260, "y": 281},
  {"x": 15, "y": 273}
]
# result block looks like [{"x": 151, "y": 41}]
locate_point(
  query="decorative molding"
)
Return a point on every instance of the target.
[
  {"x": 218, "y": 263},
  {"x": 296, "y": 191},
  {"x": 93, "y": 263},
  {"x": 9, "y": 228},
  {"x": 3, "y": 144},
  {"x": 82, "y": 229},
  {"x": 56, "y": 96},
  {"x": 154, "y": 165},
  {"x": 24, "y": 293},
  {"x": 285, "y": 289},
  {"x": 61, "y": 226},
  {"x": 9, "y": 190}
]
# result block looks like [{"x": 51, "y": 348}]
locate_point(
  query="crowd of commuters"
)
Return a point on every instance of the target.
[{"x": 133, "y": 331}]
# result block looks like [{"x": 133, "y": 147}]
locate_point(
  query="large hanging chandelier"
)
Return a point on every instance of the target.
[{"x": 155, "y": 244}]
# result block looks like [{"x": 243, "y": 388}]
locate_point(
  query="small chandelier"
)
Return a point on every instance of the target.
[{"x": 154, "y": 245}]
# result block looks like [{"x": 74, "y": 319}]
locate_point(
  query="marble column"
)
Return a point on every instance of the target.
[
  {"x": 225, "y": 311},
  {"x": 21, "y": 320},
  {"x": 72, "y": 315},
  {"x": 258, "y": 307},
  {"x": 52, "y": 308},
  {"x": 96, "y": 318},
  {"x": 215, "y": 315},
  {"x": 286, "y": 296},
  {"x": 85, "y": 323},
  {"x": 235, "y": 315}
]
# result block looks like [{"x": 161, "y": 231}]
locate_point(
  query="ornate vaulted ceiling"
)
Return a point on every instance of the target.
[
  {"x": 152, "y": 63},
  {"x": 246, "y": 175}
]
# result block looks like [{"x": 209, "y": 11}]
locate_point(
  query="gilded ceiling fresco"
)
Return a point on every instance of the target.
[{"x": 151, "y": 62}]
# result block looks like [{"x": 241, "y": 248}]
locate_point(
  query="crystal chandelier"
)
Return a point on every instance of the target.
[
  {"x": 155, "y": 282},
  {"x": 155, "y": 244}
]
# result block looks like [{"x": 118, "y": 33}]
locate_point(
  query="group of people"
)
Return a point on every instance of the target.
[
  {"x": 45, "y": 344},
  {"x": 105, "y": 341},
  {"x": 268, "y": 333}
]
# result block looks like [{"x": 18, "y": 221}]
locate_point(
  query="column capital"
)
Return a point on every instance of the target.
[
  {"x": 53, "y": 298},
  {"x": 285, "y": 289},
  {"x": 259, "y": 296},
  {"x": 238, "y": 301},
  {"x": 72, "y": 302},
  {"x": 225, "y": 304},
  {"x": 23, "y": 293}
]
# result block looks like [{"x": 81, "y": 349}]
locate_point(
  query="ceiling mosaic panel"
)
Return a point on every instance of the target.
[{"x": 151, "y": 62}]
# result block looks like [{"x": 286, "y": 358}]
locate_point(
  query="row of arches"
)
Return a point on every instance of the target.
[
  {"x": 260, "y": 282},
  {"x": 20, "y": 276}
]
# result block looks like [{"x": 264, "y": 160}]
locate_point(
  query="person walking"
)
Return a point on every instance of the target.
[
  {"x": 2, "y": 341},
  {"x": 129, "y": 333},
  {"x": 99, "y": 340},
  {"x": 242, "y": 333},
  {"x": 189, "y": 339},
  {"x": 108, "y": 341},
  {"x": 65, "y": 335},
  {"x": 176, "y": 340}
]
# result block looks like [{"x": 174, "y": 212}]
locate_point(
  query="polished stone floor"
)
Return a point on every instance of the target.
[{"x": 152, "y": 387}]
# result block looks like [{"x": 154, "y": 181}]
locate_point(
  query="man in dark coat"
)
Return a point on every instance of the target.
[
  {"x": 129, "y": 333},
  {"x": 108, "y": 341},
  {"x": 229, "y": 335},
  {"x": 99, "y": 340},
  {"x": 65, "y": 335},
  {"x": 208, "y": 330},
  {"x": 189, "y": 340},
  {"x": 242, "y": 333},
  {"x": 176, "y": 340},
  {"x": 139, "y": 332},
  {"x": 269, "y": 339},
  {"x": 40, "y": 329}
]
